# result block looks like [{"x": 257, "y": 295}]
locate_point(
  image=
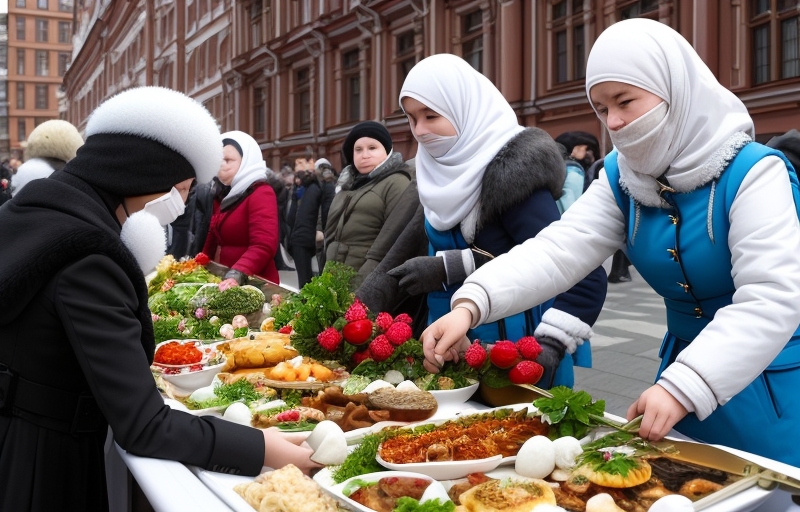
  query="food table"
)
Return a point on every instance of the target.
[{"x": 171, "y": 486}]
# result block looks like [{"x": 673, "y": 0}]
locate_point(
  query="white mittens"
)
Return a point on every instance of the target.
[{"x": 567, "y": 329}]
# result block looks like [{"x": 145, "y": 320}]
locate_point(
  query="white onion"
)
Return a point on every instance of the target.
[{"x": 536, "y": 458}]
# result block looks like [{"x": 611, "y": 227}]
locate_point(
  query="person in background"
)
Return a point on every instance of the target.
[
  {"x": 326, "y": 176},
  {"x": 789, "y": 145},
  {"x": 244, "y": 229},
  {"x": 50, "y": 146},
  {"x": 372, "y": 182},
  {"x": 312, "y": 213},
  {"x": 75, "y": 248},
  {"x": 708, "y": 217},
  {"x": 487, "y": 184}
]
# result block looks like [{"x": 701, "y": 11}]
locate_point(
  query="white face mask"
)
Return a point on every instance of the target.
[
  {"x": 437, "y": 145},
  {"x": 166, "y": 208},
  {"x": 637, "y": 140}
]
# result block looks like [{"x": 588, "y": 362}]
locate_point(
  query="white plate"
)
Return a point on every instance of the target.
[
  {"x": 222, "y": 485},
  {"x": 434, "y": 490},
  {"x": 446, "y": 470}
]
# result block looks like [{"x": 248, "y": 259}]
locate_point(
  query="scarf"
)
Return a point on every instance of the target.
[
  {"x": 450, "y": 185},
  {"x": 253, "y": 168},
  {"x": 701, "y": 114}
]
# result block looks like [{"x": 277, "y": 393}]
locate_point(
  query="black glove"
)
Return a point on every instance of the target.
[
  {"x": 551, "y": 356},
  {"x": 240, "y": 277},
  {"x": 420, "y": 275},
  {"x": 379, "y": 292}
]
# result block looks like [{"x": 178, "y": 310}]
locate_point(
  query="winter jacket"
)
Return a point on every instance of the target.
[
  {"x": 68, "y": 283},
  {"x": 313, "y": 206},
  {"x": 244, "y": 236},
  {"x": 359, "y": 211}
]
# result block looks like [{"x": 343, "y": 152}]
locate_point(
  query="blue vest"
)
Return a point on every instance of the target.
[
  {"x": 512, "y": 327},
  {"x": 682, "y": 252}
]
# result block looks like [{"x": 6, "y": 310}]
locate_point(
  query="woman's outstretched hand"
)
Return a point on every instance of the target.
[
  {"x": 661, "y": 412},
  {"x": 445, "y": 338}
]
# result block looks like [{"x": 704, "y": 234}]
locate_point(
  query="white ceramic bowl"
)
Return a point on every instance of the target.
[
  {"x": 457, "y": 396},
  {"x": 435, "y": 489},
  {"x": 190, "y": 377}
]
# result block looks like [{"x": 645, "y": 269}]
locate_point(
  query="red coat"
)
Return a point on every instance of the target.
[{"x": 245, "y": 237}]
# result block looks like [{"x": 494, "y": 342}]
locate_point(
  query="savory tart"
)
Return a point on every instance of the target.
[
  {"x": 637, "y": 472},
  {"x": 507, "y": 495}
]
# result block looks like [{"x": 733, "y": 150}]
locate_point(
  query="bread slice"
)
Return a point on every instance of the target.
[{"x": 507, "y": 495}]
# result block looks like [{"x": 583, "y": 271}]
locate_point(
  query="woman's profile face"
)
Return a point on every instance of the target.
[
  {"x": 368, "y": 153},
  {"x": 231, "y": 160},
  {"x": 424, "y": 120},
  {"x": 618, "y": 104}
]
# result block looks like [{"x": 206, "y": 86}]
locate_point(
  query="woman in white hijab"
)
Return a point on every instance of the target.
[
  {"x": 487, "y": 184},
  {"x": 243, "y": 233},
  {"x": 709, "y": 219}
]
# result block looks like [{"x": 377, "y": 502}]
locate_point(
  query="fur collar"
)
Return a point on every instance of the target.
[{"x": 528, "y": 162}]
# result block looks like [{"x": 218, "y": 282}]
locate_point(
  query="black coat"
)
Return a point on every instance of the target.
[
  {"x": 313, "y": 206},
  {"x": 74, "y": 320}
]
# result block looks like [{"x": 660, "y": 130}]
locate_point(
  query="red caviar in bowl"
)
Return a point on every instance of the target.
[{"x": 175, "y": 353}]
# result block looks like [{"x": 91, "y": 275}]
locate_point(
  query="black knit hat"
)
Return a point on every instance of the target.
[
  {"x": 129, "y": 165},
  {"x": 571, "y": 139},
  {"x": 371, "y": 129},
  {"x": 789, "y": 144}
]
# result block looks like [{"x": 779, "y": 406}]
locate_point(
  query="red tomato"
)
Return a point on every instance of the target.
[{"x": 357, "y": 332}]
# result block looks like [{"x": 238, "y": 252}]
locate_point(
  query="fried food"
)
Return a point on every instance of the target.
[
  {"x": 508, "y": 495},
  {"x": 635, "y": 476},
  {"x": 263, "y": 350}
]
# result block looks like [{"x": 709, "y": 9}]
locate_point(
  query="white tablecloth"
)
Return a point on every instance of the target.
[{"x": 172, "y": 487}]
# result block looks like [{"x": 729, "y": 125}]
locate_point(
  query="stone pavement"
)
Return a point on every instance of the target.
[{"x": 628, "y": 334}]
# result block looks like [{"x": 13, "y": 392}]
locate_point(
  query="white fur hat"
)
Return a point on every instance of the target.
[
  {"x": 168, "y": 117},
  {"x": 32, "y": 169},
  {"x": 53, "y": 139}
]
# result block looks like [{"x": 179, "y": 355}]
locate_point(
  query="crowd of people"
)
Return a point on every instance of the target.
[{"x": 492, "y": 230}]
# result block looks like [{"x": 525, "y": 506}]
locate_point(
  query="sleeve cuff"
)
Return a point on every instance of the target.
[
  {"x": 238, "y": 450},
  {"x": 458, "y": 264},
  {"x": 689, "y": 389}
]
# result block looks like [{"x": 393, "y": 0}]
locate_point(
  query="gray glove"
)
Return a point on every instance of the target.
[
  {"x": 379, "y": 292},
  {"x": 551, "y": 356},
  {"x": 240, "y": 277},
  {"x": 420, "y": 275}
]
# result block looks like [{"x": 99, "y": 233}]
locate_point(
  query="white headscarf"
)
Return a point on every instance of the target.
[
  {"x": 702, "y": 114},
  {"x": 450, "y": 186},
  {"x": 252, "y": 168}
]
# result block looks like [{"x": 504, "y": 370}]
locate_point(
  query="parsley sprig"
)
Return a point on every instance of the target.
[{"x": 570, "y": 413}]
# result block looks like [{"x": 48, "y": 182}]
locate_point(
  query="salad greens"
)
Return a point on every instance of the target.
[
  {"x": 406, "y": 504},
  {"x": 226, "y": 394},
  {"x": 569, "y": 412}
]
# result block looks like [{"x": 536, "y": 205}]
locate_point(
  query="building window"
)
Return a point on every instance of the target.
[
  {"x": 41, "y": 4},
  {"x": 64, "y": 31},
  {"x": 20, "y": 3},
  {"x": 20, "y": 28},
  {"x": 63, "y": 63},
  {"x": 302, "y": 95},
  {"x": 39, "y": 120},
  {"x": 41, "y": 97},
  {"x": 472, "y": 39},
  {"x": 568, "y": 41},
  {"x": 639, "y": 9},
  {"x": 41, "y": 31},
  {"x": 259, "y": 110},
  {"x": 20, "y": 96},
  {"x": 256, "y": 9},
  {"x": 21, "y": 133},
  {"x": 42, "y": 68},
  {"x": 20, "y": 61},
  {"x": 65, "y": 5},
  {"x": 775, "y": 40},
  {"x": 405, "y": 56},
  {"x": 351, "y": 78},
  {"x": 3, "y": 56}
]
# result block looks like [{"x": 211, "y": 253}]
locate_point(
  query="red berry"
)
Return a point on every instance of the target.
[
  {"x": 504, "y": 354},
  {"x": 202, "y": 259},
  {"x": 356, "y": 311},
  {"x": 475, "y": 355},
  {"x": 359, "y": 357},
  {"x": 286, "y": 329},
  {"x": 380, "y": 349},
  {"x": 291, "y": 415},
  {"x": 529, "y": 348},
  {"x": 399, "y": 333},
  {"x": 384, "y": 321},
  {"x": 329, "y": 339},
  {"x": 526, "y": 372},
  {"x": 357, "y": 332},
  {"x": 403, "y": 318}
]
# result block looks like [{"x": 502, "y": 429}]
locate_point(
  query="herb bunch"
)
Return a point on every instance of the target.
[{"x": 569, "y": 412}]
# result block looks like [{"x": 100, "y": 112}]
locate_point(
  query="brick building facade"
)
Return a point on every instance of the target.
[
  {"x": 39, "y": 52},
  {"x": 300, "y": 73}
]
